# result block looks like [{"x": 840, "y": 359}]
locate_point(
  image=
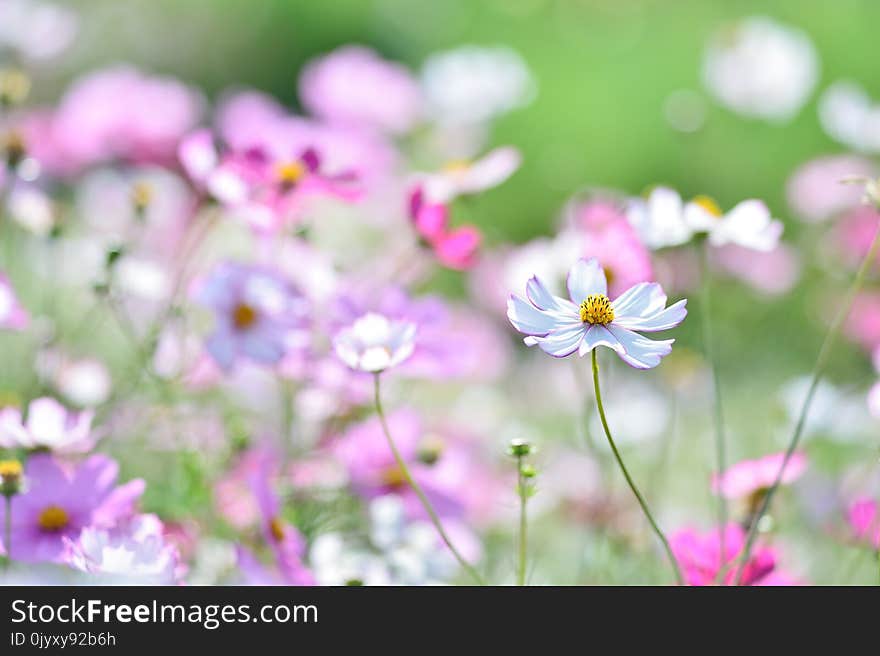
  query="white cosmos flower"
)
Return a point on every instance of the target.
[
  {"x": 758, "y": 67},
  {"x": 659, "y": 219},
  {"x": 849, "y": 116},
  {"x": 49, "y": 425},
  {"x": 748, "y": 224},
  {"x": 375, "y": 343},
  {"x": 664, "y": 219},
  {"x": 560, "y": 327},
  {"x": 470, "y": 177}
]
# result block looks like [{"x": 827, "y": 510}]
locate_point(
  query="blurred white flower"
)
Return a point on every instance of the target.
[
  {"x": 36, "y": 30},
  {"x": 849, "y": 116},
  {"x": 374, "y": 343},
  {"x": 473, "y": 84},
  {"x": 761, "y": 68},
  {"x": 49, "y": 425},
  {"x": 659, "y": 219}
]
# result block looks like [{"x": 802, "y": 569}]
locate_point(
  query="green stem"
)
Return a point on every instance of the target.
[
  {"x": 717, "y": 414},
  {"x": 435, "y": 520},
  {"x": 523, "y": 523},
  {"x": 818, "y": 371},
  {"x": 632, "y": 486}
]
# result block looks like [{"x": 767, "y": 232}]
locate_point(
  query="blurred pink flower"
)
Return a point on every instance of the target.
[
  {"x": 815, "y": 191},
  {"x": 354, "y": 86},
  {"x": 471, "y": 177},
  {"x": 12, "y": 315},
  {"x": 60, "y": 502},
  {"x": 864, "y": 520},
  {"x": 702, "y": 562},
  {"x": 233, "y": 496},
  {"x": 114, "y": 113},
  {"x": 863, "y": 323},
  {"x": 259, "y": 316},
  {"x": 854, "y": 232},
  {"x": 750, "y": 476},
  {"x": 605, "y": 233},
  {"x": 455, "y": 248},
  {"x": 772, "y": 272}
]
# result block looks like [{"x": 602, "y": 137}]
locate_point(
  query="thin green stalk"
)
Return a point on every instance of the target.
[
  {"x": 672, "y": 561},
  {"x": 818, "y": 371},
  {"x": 435, "y": 520},
  {"x": 717, "y": 414},
  {"x": 523, "y": 523}
]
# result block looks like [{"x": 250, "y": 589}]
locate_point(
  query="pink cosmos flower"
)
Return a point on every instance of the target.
[
  {"x": 59, "y": 503},
  {"x": 815, "y": 191},
  {"x": 455, "y": 248},
  {"x": 754, "y": 476},
  {"x": 354, "y": 86},
  {"x": 112, "y": 114},
  {"x": 268, "y": 188},
  {"x": 259, "y": 315},
  {"x": 701, "y": 560},
  {"x": 373, "y": 472},
  {"x": 772, "y": 272},
  {"x": 864, "y": 520},
  {"x": 854, "y": 232},
  {"x": 863, "y": 323},
  {"x": 233, "y": 495},
  {"x": 49, "y": 425},
  {"x": 12, "y": 315},
  {"x": 603, "y": 231}
]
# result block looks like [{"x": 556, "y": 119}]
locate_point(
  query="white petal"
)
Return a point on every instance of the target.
[
  {"x": 564, "y": 342},
  {"x": 641, "y": 300},
  {"x": 528, "y": 319},
  {"x": 637, "y": 351},
  {"x": 597, "y": 335},
  {"x": 748, "y": 224},
  {"x": 663, "y": 320},
  {"x": 585, "y": 278}
]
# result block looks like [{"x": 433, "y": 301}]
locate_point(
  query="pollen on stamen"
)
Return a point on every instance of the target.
[
  {"x": 53, "y": 518},
  {"x": 597, "y": 309},
  {"x": 289, "y": 173},
  {"x": 244, "y": 316},
  {"x": 708, "y": 203}
]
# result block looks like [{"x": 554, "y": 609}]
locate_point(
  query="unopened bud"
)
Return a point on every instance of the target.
[
  {"x": 10, "y": 477},
  {"x": 520, "y": 448}
]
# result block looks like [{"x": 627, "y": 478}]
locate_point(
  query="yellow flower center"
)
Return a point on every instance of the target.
[
  {"x": 276, "y": 528},
  {"x": 393, "y": 477},
  {"x": 244, "y": 316},
  {"x": 597, "y": 309},
  {"x": 709, "y": 205},
  {"x": 457, "y": 167},
  {"x": 141, "y": 195},
  {"x": 53, "y": 518},
  {"x": 10, "y": 469},
  {"x": 289, "y": 173}
]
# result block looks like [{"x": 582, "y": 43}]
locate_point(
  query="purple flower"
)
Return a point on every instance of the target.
[
  {"x": 49, "y": 425},
  {"x": 559, "y": 326},
  {"x": 354, "y": 86},
  {"x": 12, "y": 315},
  {"x": 259, "y": 315},
  {"x": 59, "y": 503}
]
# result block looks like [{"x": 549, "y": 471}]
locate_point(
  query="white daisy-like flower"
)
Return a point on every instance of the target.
[
  {"x": 375, "y": 343},
  {"x": 759, "y": 67},
  {"x": 49, "y": 425},
  {"x": 463, "y": 177},
  {"x": 748, "y": 224},
  {"x": 664, "y": 219},
  {"x": 850, "y": 116},
  {"x": 561, "y": 327}
]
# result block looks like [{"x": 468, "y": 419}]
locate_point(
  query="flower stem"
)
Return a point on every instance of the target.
[
  {"x": 435, "y": 520},
  {"x": 818, "y": 371},
  {"x": 522, "y": 489},
  {"x": 672, "y": 561},
  {"x": 717, "y": 415}
]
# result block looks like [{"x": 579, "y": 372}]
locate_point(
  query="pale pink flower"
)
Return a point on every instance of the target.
[
  {"x": 471, "y": 177},
  {"x": 748, "y": 477},
  {"x": 772, "y": 272},
  {"x": 815, "y": 191},
  {"x": 12, "y": 315}
]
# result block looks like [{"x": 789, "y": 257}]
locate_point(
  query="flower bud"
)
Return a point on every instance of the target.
[
  {"x": 10, "y": 477},
  {"x": 520, "y": 448}
]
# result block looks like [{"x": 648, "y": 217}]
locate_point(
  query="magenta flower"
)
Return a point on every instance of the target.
[
  {"x": 268, "y": 188},
  {"x": 60, "y": 502},
  {"x": 750, "y": 477},
  {"x": 560, "y": 327},
  {"x": 701, "y": 560},
  {"x": 12, "y": 315},
  {"x": 864, "y": 520},
  {"x": 354, "y": 86},
  {"x": 112, "y": 114},
  {"x": 373, "y": 470},
  {"x": 258, "y": 315},
  {"x": 455, "y": 248},
  {"x": 49, "y": 425}
]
